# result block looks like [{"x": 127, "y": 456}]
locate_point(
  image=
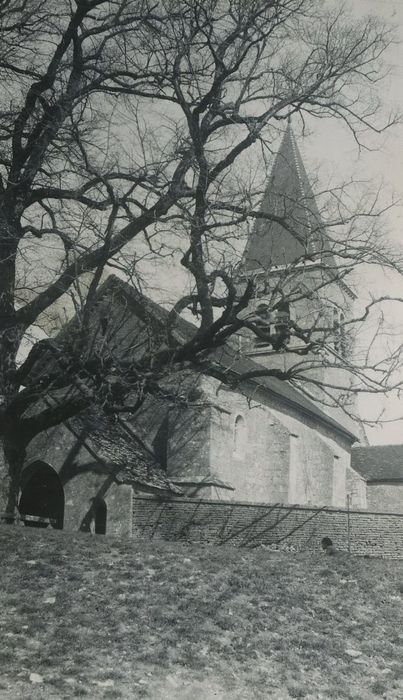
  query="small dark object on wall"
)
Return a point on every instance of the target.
[{"x": 328, "y": 547}]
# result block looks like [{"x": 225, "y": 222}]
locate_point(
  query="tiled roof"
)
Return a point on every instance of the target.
[
  {"x": 226, "y": 357},
  {"x": 289, "y": 196},
  {"x": 118, "y": 448},
  {"x": 279, "y": 388},
  {"x": 379, "y": 462}
]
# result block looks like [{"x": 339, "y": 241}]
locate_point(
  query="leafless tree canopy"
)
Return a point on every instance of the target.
[{"x": 129, "y": 118}]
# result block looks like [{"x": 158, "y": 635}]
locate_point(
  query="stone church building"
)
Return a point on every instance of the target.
[{"x": 263, "y": 441}]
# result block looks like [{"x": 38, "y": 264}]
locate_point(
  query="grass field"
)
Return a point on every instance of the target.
[{"x": 96, "y": 617}]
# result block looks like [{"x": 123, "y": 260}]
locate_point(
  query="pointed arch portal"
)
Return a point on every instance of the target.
[{"x": 42, "y": 495}]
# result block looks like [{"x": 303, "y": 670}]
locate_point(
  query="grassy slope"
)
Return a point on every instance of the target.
[{"x": 104, "y": 618}]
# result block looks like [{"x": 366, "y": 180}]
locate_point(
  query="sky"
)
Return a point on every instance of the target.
[{"x": 329, "y": 150}]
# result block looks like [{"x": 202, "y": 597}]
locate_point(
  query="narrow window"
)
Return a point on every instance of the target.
[
  {"x": 161, "y": 443},
  {"x": 282, "y": 321},
  {"x": 336, "y": 330},
  {"x": 339, "y": 335},
  {"x": 343, "y": 339},
  {"x": 239, "y": 436},
  {"x": 261, "y": 319},
  {"x": 100, "y": 517}
]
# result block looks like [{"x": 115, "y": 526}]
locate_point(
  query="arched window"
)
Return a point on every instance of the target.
[{"x": 240, "y": 436}]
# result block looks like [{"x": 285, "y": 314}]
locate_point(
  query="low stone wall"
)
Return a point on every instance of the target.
[{"x": 251, "y": 525}]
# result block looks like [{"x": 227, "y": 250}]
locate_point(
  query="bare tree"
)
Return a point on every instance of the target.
[{"x": 124, "y": 118}]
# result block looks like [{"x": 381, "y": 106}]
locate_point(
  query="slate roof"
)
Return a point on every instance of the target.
[
  {"x": 281, "y": 389},
  {"x": 378, "y": 463},
  {"x": 288, "y": 195},
  {"x": 226, "y": 357},
  {"x": 121, "y": 451}
]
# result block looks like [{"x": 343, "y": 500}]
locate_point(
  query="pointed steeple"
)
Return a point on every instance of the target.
[{"x": 289, "y": 197}]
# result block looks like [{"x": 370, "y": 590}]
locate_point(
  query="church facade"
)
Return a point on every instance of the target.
[{"x": 264, "y": 441}]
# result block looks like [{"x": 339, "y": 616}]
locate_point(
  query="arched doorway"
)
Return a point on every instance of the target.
[
  {"x": 100, "y": 513},
  {"x": 42, "y": 495}
]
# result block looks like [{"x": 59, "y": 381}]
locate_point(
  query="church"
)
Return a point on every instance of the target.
[{"x": 259, "y": 441}]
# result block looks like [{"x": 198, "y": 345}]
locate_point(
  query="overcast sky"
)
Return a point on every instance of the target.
[
  {"x": 329, "y": 151},
  {"x": 331, "y": 148}
]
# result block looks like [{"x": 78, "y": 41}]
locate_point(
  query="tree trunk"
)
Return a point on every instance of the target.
[
  {"x": 12, "y": 447},
  {"x": 12, "y": 450},
  {"x": 12, "y": 456}
]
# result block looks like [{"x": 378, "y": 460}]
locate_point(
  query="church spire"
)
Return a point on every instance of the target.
[{"x": 289, "y": 197}]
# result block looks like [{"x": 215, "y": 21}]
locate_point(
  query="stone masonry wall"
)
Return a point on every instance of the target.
[
  {"x": 247, "y": 525},
  {"x": 287, "y": 456},
  {"x": 356, "y": 488},
  {"x": 76, "y": 468},
  {"x": 385, "y": 497},
  {"x": 259, "y": 469}
]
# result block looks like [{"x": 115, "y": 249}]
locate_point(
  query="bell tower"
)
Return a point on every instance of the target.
[{"x": 301, "y": 302}]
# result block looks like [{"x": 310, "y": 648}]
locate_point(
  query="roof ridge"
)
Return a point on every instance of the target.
[{"x": 388, "y": 444}]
